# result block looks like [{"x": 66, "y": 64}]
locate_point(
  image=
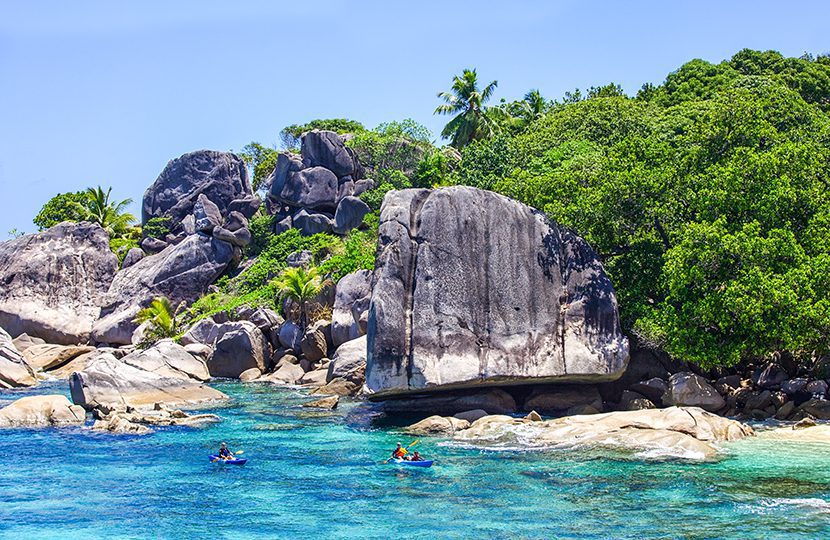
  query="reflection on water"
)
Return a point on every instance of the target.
[{"x": 318, "y": 474}]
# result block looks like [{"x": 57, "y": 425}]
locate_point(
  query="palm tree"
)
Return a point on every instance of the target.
[
  {"x": 161, "y": 319},
  {"x": 466, "y": 101},
  {"x": 110, "y": 215},
  {"x": 533, "y": 106},
  {"x": 301, "y": 286}
]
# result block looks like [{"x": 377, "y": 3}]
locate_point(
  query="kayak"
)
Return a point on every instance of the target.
[
  {"x": 236, "y": 461},
  {"x": 424, "y": 463}
]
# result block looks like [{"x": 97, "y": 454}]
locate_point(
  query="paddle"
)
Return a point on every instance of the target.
[{"x": 413, "y": 443}]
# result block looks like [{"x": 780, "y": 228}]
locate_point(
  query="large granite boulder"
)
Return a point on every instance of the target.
[
  {"x": 181, "y": 272},
  {"x": 238, "y": 347},
  {"x": 42, "y": 411},
  {"x": 47, "y": 357},
  {"x": 14, "y": 371},
  {"x": 327, "y": 149},
  {"x": 349, "y": 362},
  {"x": 54, "y": 282},
  {"x": 474, "y": 289},
  {"x": 349, "y": 215},
  {"x": 169, "y": 359},
  {"x": 111, "y": 382},
  {"x": 221, "y": 176},
  {"x": 351, "y": 297},
  {"x": 315, "y": 187}
]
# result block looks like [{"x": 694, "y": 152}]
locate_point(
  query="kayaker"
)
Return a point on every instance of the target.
[
  {"x": 224, "y": 453},
  {"x": 399, "y": 452},
  {"x": 416, "y": 456}
]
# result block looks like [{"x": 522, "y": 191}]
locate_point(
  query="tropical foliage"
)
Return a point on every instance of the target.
[
  {"x": 261, "y": 160},
  {"x": 301, "y": 286},
  {"x": 466, "y": 102},
  {"x": 161, "y": 319},
  {"x": 110, "y": 215},
  {"x": 61, "y": 207}
]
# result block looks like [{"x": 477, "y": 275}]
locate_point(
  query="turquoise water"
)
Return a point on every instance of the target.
[{"x": 318, "y": 475}]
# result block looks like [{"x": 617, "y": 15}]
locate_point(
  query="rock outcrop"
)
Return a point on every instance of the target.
[
  {"x": 688, "y": 432},
  {"x": 14, "y": 371},
  {"x": 221, "y": 176},
  {"x": 238, "y": 347},
  {"x": 352, "y": 295},
  {"x": 181, "y": 272},
  {"x": 112, "y": 382},
  {"x": 54, "y": 282},
  {"x": 42, "y": 411},
  {"x": 311, "y": 190},
  {"x": 475, "y": 289}
]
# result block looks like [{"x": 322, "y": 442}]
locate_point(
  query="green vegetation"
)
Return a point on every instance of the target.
[
  {"x": 291, "y": 135},
  {"x": 300, "y": 286},
  {"x": 161, "y": 320},
  {"x": 261, "y": 160},
  {"x": 61, "y": 207},
  {"x": 707, "y": 198},
  {"x": 157, "y": 227},
  {"x": 110, "y": 215},
  {"x": 466, "y": 102}
]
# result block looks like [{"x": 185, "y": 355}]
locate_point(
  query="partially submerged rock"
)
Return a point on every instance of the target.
[
  {"x": 328, "y": 403},
  {"x": 42, "y": 411},
  {"x": 687, "y": 432},
  {"x": 109, "y": 381},
  {"x": 437, "y": 425},
  {"x": 474, "y": 289},
  {"x": 54, "y": 282}
]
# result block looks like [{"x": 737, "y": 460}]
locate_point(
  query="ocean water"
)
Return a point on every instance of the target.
[{"x": 317, "y": 474}]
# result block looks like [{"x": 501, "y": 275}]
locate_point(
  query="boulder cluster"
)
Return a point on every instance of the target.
[{"x": 317, "y": 191}]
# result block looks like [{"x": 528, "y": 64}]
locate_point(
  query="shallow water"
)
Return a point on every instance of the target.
[{"x": 318, "y": 475}]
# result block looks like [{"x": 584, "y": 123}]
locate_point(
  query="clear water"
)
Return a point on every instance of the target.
[{"x": 318, "y": 475}]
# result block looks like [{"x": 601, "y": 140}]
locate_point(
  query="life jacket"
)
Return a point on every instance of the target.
[{"x": 400, "y": 452}]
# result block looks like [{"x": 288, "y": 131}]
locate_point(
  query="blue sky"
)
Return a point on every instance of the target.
[{"x": 107, "y": 92}]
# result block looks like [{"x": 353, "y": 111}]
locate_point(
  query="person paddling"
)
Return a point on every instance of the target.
[
  {"x": 399, "y": 452},
  {"x": 416, "y": 456},
  {"x": 224, "y": 453}
]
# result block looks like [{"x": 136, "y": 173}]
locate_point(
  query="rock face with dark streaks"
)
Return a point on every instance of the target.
[
  {"x": 53, "y": 282},
  {"x": 474, "y": 289},
  {"x": 221, "y": 176}
]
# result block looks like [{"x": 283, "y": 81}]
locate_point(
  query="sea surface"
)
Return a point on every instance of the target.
[{"x": 315, "y": 474}]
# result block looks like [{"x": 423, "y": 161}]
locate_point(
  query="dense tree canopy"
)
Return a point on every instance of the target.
[{"x": 708, "y": 198}]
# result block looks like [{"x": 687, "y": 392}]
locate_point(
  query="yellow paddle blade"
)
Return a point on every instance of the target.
[
  {"x": 239, "y": 452},
  {"x": 414, "y": 443}
]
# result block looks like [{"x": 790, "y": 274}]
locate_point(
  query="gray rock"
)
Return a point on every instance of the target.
[
  {"x": 291, "y": 336},
  {"x": 189, "y": 225},
  {"x": 310, "y": 224},
  {"x": 133, "y": 256},
  {"x": 793, "y": 386},
  {"x": 817, "y": 408},
  {"x": 817, "y": 388},
  {"x": 315, "y": 188},
  {"x": 283, "y": 225},
  {"x": 632, "y": 401},
  {"x": 772, "y": 376},
  {"x": 109, "y": 381},
  {"x": 15, "y": 372},
  {"x": 54, "y": 282},
  {"x": 350, "y": 214},
  {"x": 240, "y": 238},
  {"x": 265, "y": 319},
  {"x": 221, "y": 176},
  {"x": 299, "y": 258},
  {"x": 327, "y": 149},
  {"x": 475, "y": 289},
  {"x": 153, "y": 245},
  {"x": 362, "y": 186},
  {"x": 352, "y": 291},
  {"x": 247, "y": 206},
  {"x": 653, "y": 388},
  {"x": 313, "y": 344},
  {"x": 688, "y": 389},
  {"x": 349, "y": 362},
  {"x": 471, "y": 415},
  {"x": 203, "y": 331},
  {"x": 169, "y": 359},
  {"x": 206, "y": 214},
  {"x": 345, "y": 188},
  {"x": 759, "y": 400},
  {"x": 287, "y": 163},
  {"x": 239, "y": 347},
  {"x": 182, "y": 273},
  {"x": 236, "y": 221}
]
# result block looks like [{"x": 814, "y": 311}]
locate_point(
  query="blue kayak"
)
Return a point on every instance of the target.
[
  {"x": 424, "y": 463},
  {"x": 236, "y": 461}
]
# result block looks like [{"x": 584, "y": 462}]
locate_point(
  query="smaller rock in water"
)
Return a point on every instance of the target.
[
  {"x": 328, "y": 403},
  {"x": 250, "y": 374},
  {"x": 42, "y": 411},
  {"x": 437, "y": 425}
]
